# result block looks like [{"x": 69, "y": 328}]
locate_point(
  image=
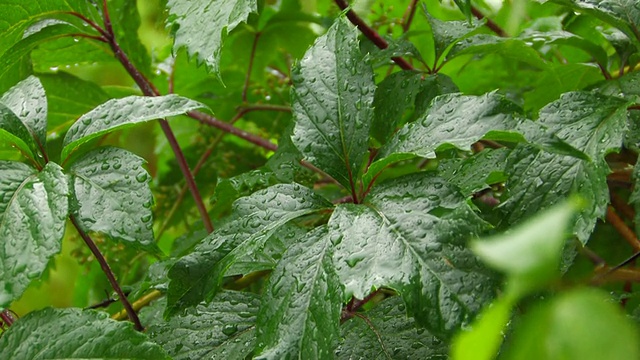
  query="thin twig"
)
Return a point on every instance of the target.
[
  {"x": 88, "y": 22},
  {"x": 139, "y": 304},
  {"x": 622, "y": 207},
  {"x": 212, "y": 121},
  {"x": 109, "y": 273},
  {"x": 622, "y": 228},
  {"x": 408, "y": 15},
  {"x": 489, "y": 23},
  {"x": 252, "y": 57}
]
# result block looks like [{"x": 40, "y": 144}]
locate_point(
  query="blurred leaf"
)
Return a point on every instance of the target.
[
  {"x": 332, "y": 96},
  {"x": 509, "y": 48},
  {"x": 76, "y": 334},
  {"x": 411, "y": 236},
  {"x": 123, "y": 113},
  {"x": 111, "y": 195},
  {"x": 299, "y": 315},
  {"x": 35, "y": 209}
]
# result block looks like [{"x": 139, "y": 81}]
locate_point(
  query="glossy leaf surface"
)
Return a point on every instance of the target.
[
  {"x": 332, "y": 94},
  {"x": 28, "y": 101},
  {"x": 14, "y": 132},
  {"x": 35, "y": 208}
]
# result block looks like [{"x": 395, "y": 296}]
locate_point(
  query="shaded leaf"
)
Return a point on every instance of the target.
[
  {"x": 221, "y": 16},
  {"x": 477, "y": 172},
  {"x": 299, "y": 315},
  {"x": 122, "y": 113},
  {"x": 28, "y": 101},
  {"x": 411, "y": 236},
  {"x": 509, "y": 48},
  {"x": 331, "y": 98},
  {"x": 447, "y": 33},
  {"x": 35, "y": 208},
  {"x": 111, "y": 195},
  {"x": 76, "y": 334},
  {"x": 13, "y": 131}
]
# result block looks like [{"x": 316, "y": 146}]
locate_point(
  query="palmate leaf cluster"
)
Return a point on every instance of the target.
[{"x": 358, "y": 236}]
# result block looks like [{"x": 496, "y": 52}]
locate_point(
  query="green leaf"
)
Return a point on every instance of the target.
[
  {"x": 447, "y": 33},
  {"x": 254, "y": 219},
  {"x": 69, "y": 98},
  {"x": 509, "y": 48},
  {"x": 13, "y": 131},
  {"x": 223, "y": 329},
  {"x": 126, "y": 22},
  {"x": 300, "y": 312},
  {"x": 530, "y": 253},
  {"x": 538, "y": 179},
  {"x": 221, "y": 16},
  {"x": 477, "y": 172},
  {"x": 122, "y": 113},
  {"x": 332, "y": 104},
  {"x": 28, "y": 101},
  {"x": 411, "y": 236},
  {"x": 399, "y": 336},
  {"x": 590, "y": 122},
  {"x": 539, "y": 39},
  {"x": 579, "y": 324},
  {"x": 35, "y": 208},
  {"x": 111, "y": 195},
  {"x": 76, "y": 334},
  {"x": 399, "y": 92}
]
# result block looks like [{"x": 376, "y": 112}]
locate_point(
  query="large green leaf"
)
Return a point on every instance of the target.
[
  {"x": 410, "y": 235},
  {"x": 35, "y": 208},
  {"x": 14, "y": 131},
  {"x": 221, "y": 16},
  {"x": 76, "y": 334},
  {"x": 223, "y": 329},
  {"x": 331, "y": 98},
  {"x": 399, "y": 336},
  {"x": 254, "y": 219},
  {"x": 111, "y": 195},
  {"x": 122, "y": 113},
  {"x": 28, "y": 101},
  {"x": 300, "y": 312}
]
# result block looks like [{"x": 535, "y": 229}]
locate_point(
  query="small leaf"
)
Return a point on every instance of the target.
[
  {"x": 331, "y": 98},
  {"x": 221, "y": 16},
  {"x": 399, "y": 336},
  {"x": 122, "y": 113},
  {"x": 111, "y": 195},
  {"x": 254, "y": 219},
  {"x": 13, "y": 131},
  {"x": 28, "y": 101},
  {"x": 579, "y": 324},
  {"x": 477, "y": 172},
  {"x": 224, "y": 329},
  {"x": 509, "y": 48},
  {"x": 32, "y": 224},
  {"x": 447, "y": 33},
  {"x": 411, "y": 236},
  {"x": 300, "y": 312},
  {"x": 76, "y": 334}
]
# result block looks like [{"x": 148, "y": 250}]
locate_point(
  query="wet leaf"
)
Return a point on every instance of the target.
[
  {"x": 35, "y": 208},
  {"x": 13, "y": 131},
  {"x": 111, "y": 195},
  {"x": 300, "y": 312},
  {"x": 447, "y": 33},
  {"x": 76, "y": 334},
  {"x": 28, "y": 101},
  {"x": 122, "y": 113},
  {"x": 332, "y": 94},
  {"x": 509, "y": 48},
  {"x": 477, "y": 172}
]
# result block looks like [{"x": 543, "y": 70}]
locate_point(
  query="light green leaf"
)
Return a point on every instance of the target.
[
  {"x": 122, "y": 113},
  {"x": 300, "y": 312},
  {"x": 509, "y": 48},
  {"x": 76, "y": 334},
  {"x": 223, "y": 329},
  {"x": 447, "y": 33},
  {"x": 13, "y": 131},
  {"x": 35, "y": 208},
  {"x": 221, "y": 16},
  {"x": 331, "y": 98},
  {"x": 580, "y": 324},
  {"x": 111, "y": 195},
  {"x": 399, "y": 336},
  {"x": 410, "y": 235},
  {"x": 254, "y": 219},
  {"x": 28, "y": 101}
]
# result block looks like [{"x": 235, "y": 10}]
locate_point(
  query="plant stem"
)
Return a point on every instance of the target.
[
  {"x": 622, "y": 228},
  {"x": 490, "y": 23},
  {"x": 408, "y": 15},
  {"x": 371, "y": 34},
  {"x": 251, "y": 58},
  {"x": 109, "y": 273},
  {"x": 139, "y": 304},
  {"x": 254, "y": 139}
]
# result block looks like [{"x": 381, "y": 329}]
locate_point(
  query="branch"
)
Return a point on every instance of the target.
[
  {"x": 622, "y": 228},
  {"x": 490, "y": 23},
  {"x": 211, "y": 121},
  {"x": 109, "y": 273},
  {"x": 408, "y": 15},
  {"x": 251, "y": 58},
  {"x": 371, "y": 34},
  {"x": 139, "y": 304}
]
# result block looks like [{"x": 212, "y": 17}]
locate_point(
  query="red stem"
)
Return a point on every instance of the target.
[
  {"x": 248, "y": 77},
  {"x": 490, "y": 23}
]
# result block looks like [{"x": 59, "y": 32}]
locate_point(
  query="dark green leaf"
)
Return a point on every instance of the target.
[
  {"x": 221, "y": 17},
  {"x": 580, "y": 324},
  {"x": 111, "y": 196},
  {"x": 540, "y": 38},
  {"x": 300, "y": 312},
  {"x": 447, "y": 33},
  {"x": 224, "y": 329},
  {"x": 13, "y": 131},
  {"x": 477, "y": 172},
  {"x": 253, "y": 221},
  {"x": 35, "y": 208},
  {"x": 28, "y": 101},
  {"x": 76, "y": 334},
  {"x": 332, "y": 96},
  {"x": 411, "y": 236},
  {"x": 126, "y": 22},
  {"x": 122, "y": 113},
  {"x": 396, "y": 48},
  {"x": 399, "y": 336}
]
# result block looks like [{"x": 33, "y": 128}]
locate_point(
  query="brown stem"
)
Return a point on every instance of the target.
[
  {"x": 371, "y": 34},
  {"x": 109, "y": 273},
  {"x": 622, "y": 228},
  {"x": 408, "y": 15},
  {"x": 490, "y": 23},
  {"x": 88, "y": 22},
  {"x": 622, "y": 207},
  {"x": 248, "y": 77},
  {"x": 210, "y": 120}
]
